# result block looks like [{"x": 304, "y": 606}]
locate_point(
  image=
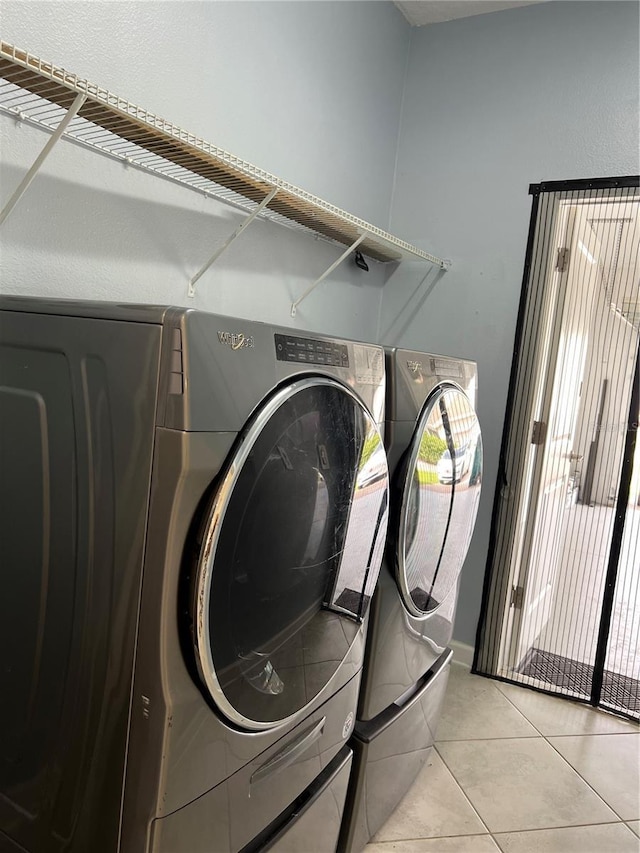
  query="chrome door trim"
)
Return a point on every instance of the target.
[
  {"x": 204, "y": 657},
  {"x": 401, "y": 575}
]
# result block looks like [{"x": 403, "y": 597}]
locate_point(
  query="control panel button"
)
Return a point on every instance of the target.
[{"x": 311, "y": 351}]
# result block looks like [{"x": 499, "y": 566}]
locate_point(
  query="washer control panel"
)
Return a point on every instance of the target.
[{"x": 311, "y": 351}]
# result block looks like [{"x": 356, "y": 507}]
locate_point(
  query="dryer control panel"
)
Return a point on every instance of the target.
[{"x": 311, "y": 351}]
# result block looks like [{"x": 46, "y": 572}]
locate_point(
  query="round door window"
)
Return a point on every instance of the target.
[
  {"x": 440, "y": 498},
  {"x": 291, "y": 556}
]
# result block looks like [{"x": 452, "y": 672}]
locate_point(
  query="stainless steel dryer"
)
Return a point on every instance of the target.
[
  {"x": 434, "y": 448},
  {"x": 192, "y": 514}
]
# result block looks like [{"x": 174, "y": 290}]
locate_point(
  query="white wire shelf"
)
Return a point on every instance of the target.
[{"x": 42, "y": 94}]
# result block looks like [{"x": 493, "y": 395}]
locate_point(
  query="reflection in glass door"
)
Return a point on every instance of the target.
[
  {"x": 441, "y": 493},
  {"x": 290, "y": 553}
]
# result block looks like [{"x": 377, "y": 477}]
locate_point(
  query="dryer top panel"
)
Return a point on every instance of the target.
[
  {"x": 412, "y": 376},
  {"x": 217, "y": 370},
  {"x": 130, "y": 312}
]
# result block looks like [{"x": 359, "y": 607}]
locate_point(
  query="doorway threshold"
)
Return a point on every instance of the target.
[{"x": 618, "y": 691}]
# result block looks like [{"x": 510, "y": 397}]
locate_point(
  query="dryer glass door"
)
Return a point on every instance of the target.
[
  {"x": 440, "y": 494},
  {"x": 466, "y": 441},
  {"x": 291, "y": 553}
]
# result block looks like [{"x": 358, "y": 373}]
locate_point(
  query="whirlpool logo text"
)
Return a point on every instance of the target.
[{"x": 236, "y": 340}]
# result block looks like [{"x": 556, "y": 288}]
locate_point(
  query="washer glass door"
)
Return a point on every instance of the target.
[
  {"x": 440, "y": 494},
  {"x": 291, "y": 554}
]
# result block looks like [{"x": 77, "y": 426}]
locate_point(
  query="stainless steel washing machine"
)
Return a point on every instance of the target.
[
  {"x": 434, "y": 448},
  {"x": 192, "y": 514}
]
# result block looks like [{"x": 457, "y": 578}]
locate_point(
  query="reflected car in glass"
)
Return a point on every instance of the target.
[{"x": 453, "y": 470}]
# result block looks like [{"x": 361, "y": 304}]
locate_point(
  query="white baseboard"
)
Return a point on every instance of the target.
[{"x": 462, "y": 653}]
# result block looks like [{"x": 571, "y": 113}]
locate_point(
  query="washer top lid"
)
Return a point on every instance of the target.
[{"x": 413, "y": 375}]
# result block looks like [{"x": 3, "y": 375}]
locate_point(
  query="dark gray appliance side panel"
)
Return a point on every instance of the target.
[
  {"x": 397, "y": 438},
  {"x": 130, "y": 312},
  {"x": 389, "y": 753},
  {"x": 9, "y": 846},
  {"x": 184, "y": 466},
  {"x": 76, "y": 435},
  {"x": 317, "y": 827}
]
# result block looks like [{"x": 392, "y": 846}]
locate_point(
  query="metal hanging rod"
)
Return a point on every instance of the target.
[{"x": 44, "y": 94}]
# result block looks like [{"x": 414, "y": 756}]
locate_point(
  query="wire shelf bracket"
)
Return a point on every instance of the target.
[
  {"x": 55, "y": 100},
  {"x": 23, "y": 186},
  {"x": 336, "y": 263},
  {"x": 242, "y": 227}
]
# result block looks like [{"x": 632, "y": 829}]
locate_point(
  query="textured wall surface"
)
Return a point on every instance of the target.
[
  {"x": 492, "y": 104},
  {"x": 312, "y": 91},
  {"x": 309, "y": 91}
]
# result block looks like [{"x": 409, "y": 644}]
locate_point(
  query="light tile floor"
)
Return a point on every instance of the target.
[{"x": 520, "y": 772}]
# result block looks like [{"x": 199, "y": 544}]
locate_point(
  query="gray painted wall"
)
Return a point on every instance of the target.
[
  {"x": 493, "y": 103},
  {"x": 309, "y": 91},
  {"x": 312, "y": 91}
]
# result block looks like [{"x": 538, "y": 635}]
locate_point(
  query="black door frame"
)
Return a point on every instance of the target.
[{"x": 536, "y": 190}]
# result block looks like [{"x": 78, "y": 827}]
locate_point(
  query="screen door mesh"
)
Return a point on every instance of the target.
[{"x": 561, "y": 608}]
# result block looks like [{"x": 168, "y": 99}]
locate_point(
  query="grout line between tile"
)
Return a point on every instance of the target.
[
  {"x": 488, "y": 737},
  {"x": 568, "y": 763},
  {"x": 513, "y": 705},
  {"x": 617, "y": 819},
  {"x": 564, "y": 826},
  {"x": 580, "y": 776},
  {"x": 432, "y": 837},
  {"x": 594, "y": 734},
  {"x": 497, "y": 843},
  {"x": 464, "y": 793}
]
